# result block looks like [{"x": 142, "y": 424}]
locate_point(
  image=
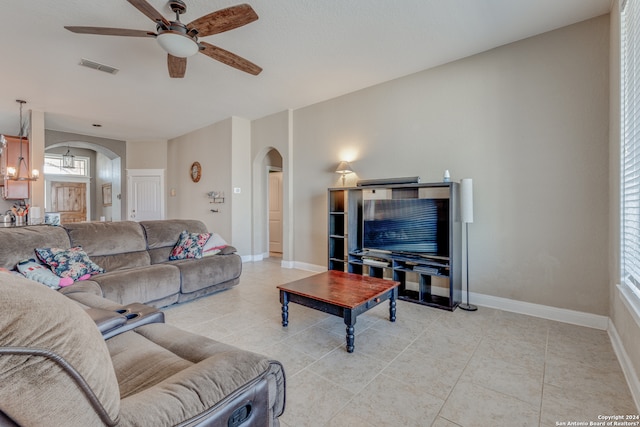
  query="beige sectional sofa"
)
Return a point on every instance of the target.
[
  {"x": 56, "y": 369},
  {"x": 92, "y": 354},
  {"x": 135, "y": 257}
]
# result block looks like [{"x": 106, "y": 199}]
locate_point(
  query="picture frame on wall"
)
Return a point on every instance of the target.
[{"x": 106, "y": 194}]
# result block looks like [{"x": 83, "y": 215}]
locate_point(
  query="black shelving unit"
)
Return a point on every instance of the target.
[
  {"x": 428, "y": 280},
  {"x": 338, "y": 223}
]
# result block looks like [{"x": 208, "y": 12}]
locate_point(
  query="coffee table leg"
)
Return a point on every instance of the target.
[
  {"x": 284, "y": 299},
  {"x": 392, "y": 305},
  {"x": 350, "y": 321}
]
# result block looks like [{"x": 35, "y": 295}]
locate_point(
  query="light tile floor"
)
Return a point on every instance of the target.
[{"x": 430, "y": 368}]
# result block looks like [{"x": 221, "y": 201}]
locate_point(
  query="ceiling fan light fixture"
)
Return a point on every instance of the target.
[{"x": 177, "y": 44}]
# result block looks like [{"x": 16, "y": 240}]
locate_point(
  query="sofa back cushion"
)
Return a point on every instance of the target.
[
  {"x": 55, "y": 368},
  {"x": 111, "y": 245},
  {"x": 19, "y": 243},
  {"x": 162, "y": 235}
]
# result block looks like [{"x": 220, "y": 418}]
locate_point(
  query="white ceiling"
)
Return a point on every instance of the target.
[{"x": 310, "y": 50}]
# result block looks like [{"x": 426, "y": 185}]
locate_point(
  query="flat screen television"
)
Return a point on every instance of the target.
[{"x": 409, "y": 226}]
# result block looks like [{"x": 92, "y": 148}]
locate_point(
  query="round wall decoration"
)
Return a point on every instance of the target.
[{"x": 195, "y": 172}]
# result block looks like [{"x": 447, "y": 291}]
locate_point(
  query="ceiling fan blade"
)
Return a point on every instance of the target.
[
  {"x": 105, "y": 31},
  {"x": 230, "y": 59},
  {"x": 149, "y": 10},
  {"x": 224, "y": 20},
  {"x": 177, "y": 66}
]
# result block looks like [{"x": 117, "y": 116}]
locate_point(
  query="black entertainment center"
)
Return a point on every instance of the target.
[{"x": 410, "y": 233}]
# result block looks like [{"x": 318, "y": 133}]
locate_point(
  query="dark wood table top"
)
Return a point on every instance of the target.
[{"x": 341, "y": 289}]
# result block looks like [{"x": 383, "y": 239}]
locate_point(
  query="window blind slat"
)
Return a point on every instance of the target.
[{"x": 630, "y": 158}]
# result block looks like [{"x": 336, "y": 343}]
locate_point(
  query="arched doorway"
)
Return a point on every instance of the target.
[
  {"x": 269, "y": 216},
  {"x": 101, "y": 188}
]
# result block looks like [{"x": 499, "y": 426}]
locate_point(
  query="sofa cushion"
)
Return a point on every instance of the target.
[
  {"x": 193, "y": 373},
  {"x": 55, "y": 343},
  {"x": 189, "y": 245},
  {"x": 165, "y": 233},
  {"x": 142, "y": 284},
  {"x": 201, "y": 273},
  {"x": 122, "y": 261},
  {"x": 112, "y": 245},
  {"x": 83, "y": 286},
  {"x": 18, "y": 243},
  {"x": 73, "y": 262}
]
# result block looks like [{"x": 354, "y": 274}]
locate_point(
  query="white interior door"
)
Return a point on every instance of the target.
[
  {"x": 275, "y": 212},
  {"x": 145, "y": 189}
]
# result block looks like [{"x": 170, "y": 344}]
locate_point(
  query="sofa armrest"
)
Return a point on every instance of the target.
[
  {"x": 83, "y": 286},
  {"x": 136, "y": 315},
  {"x": 114, "y": 322},
  {"x": 106, "y": 320}
]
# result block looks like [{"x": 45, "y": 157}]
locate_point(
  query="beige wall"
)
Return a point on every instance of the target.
[
  {"x": 107, "y": 172},
  {"x": 36, "y": 146},
  {"x": 241, "y": 181},
  {"x": 211, "y": 147},
  {"x": 527, "y": 121},
  {"x": 147, "y": 154}
]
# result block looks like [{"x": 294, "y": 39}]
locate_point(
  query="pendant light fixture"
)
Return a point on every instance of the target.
[
  {"x": 17, "y": 173},
  {"x": 68, "y": 160}
]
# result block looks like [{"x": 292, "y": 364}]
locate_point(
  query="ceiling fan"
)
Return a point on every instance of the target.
[{"x": 181, "y": 40}]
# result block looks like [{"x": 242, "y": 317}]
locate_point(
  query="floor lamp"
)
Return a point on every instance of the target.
[{"x": 466, "y": 216}]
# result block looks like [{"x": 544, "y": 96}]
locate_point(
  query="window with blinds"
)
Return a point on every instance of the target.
[{"x": 630, "y": 153}]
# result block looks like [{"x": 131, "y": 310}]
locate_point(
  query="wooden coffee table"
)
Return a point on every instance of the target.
[{"x": 341, "y": 294}]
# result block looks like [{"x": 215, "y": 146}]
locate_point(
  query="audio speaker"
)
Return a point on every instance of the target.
[{"x": 388, "y": 181}]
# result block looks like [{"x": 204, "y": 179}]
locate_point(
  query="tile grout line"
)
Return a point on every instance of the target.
[
  {"x": 544, "y": 373},
  {"x": 460, "y": 376},
  {"x": 380, "y": 372}
]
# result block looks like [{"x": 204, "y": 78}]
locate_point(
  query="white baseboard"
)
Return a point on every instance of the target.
[
  {"x": 287, "y": 264},
  {"x": 544, "y": 311},
  {"x": 627, "y": 367},
  {"x": 252, "y": 258},
  {"x": 309, "y": 267}
]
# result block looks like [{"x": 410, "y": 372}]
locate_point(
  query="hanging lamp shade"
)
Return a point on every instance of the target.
[{"x": 68, "y": 160}]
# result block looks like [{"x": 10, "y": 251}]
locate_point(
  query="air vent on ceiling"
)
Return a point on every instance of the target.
[{"x": 97, "y": 66}]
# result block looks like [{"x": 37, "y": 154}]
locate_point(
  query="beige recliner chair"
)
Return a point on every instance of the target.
[{"x": 56, "y": 369}]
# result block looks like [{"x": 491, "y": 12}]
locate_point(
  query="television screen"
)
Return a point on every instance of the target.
[{"x": 418, "y": 226}]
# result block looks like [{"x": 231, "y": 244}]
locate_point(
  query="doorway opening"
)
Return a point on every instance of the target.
[
  {"x": 269, "y": 209},
  {"x": 274, "y": 212},
  {"x": 96, "y": 166}
]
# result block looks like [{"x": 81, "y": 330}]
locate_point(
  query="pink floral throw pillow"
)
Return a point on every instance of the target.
[
  {"x": 189, "y": 245},
  {"x": 73, "y": 262}
]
